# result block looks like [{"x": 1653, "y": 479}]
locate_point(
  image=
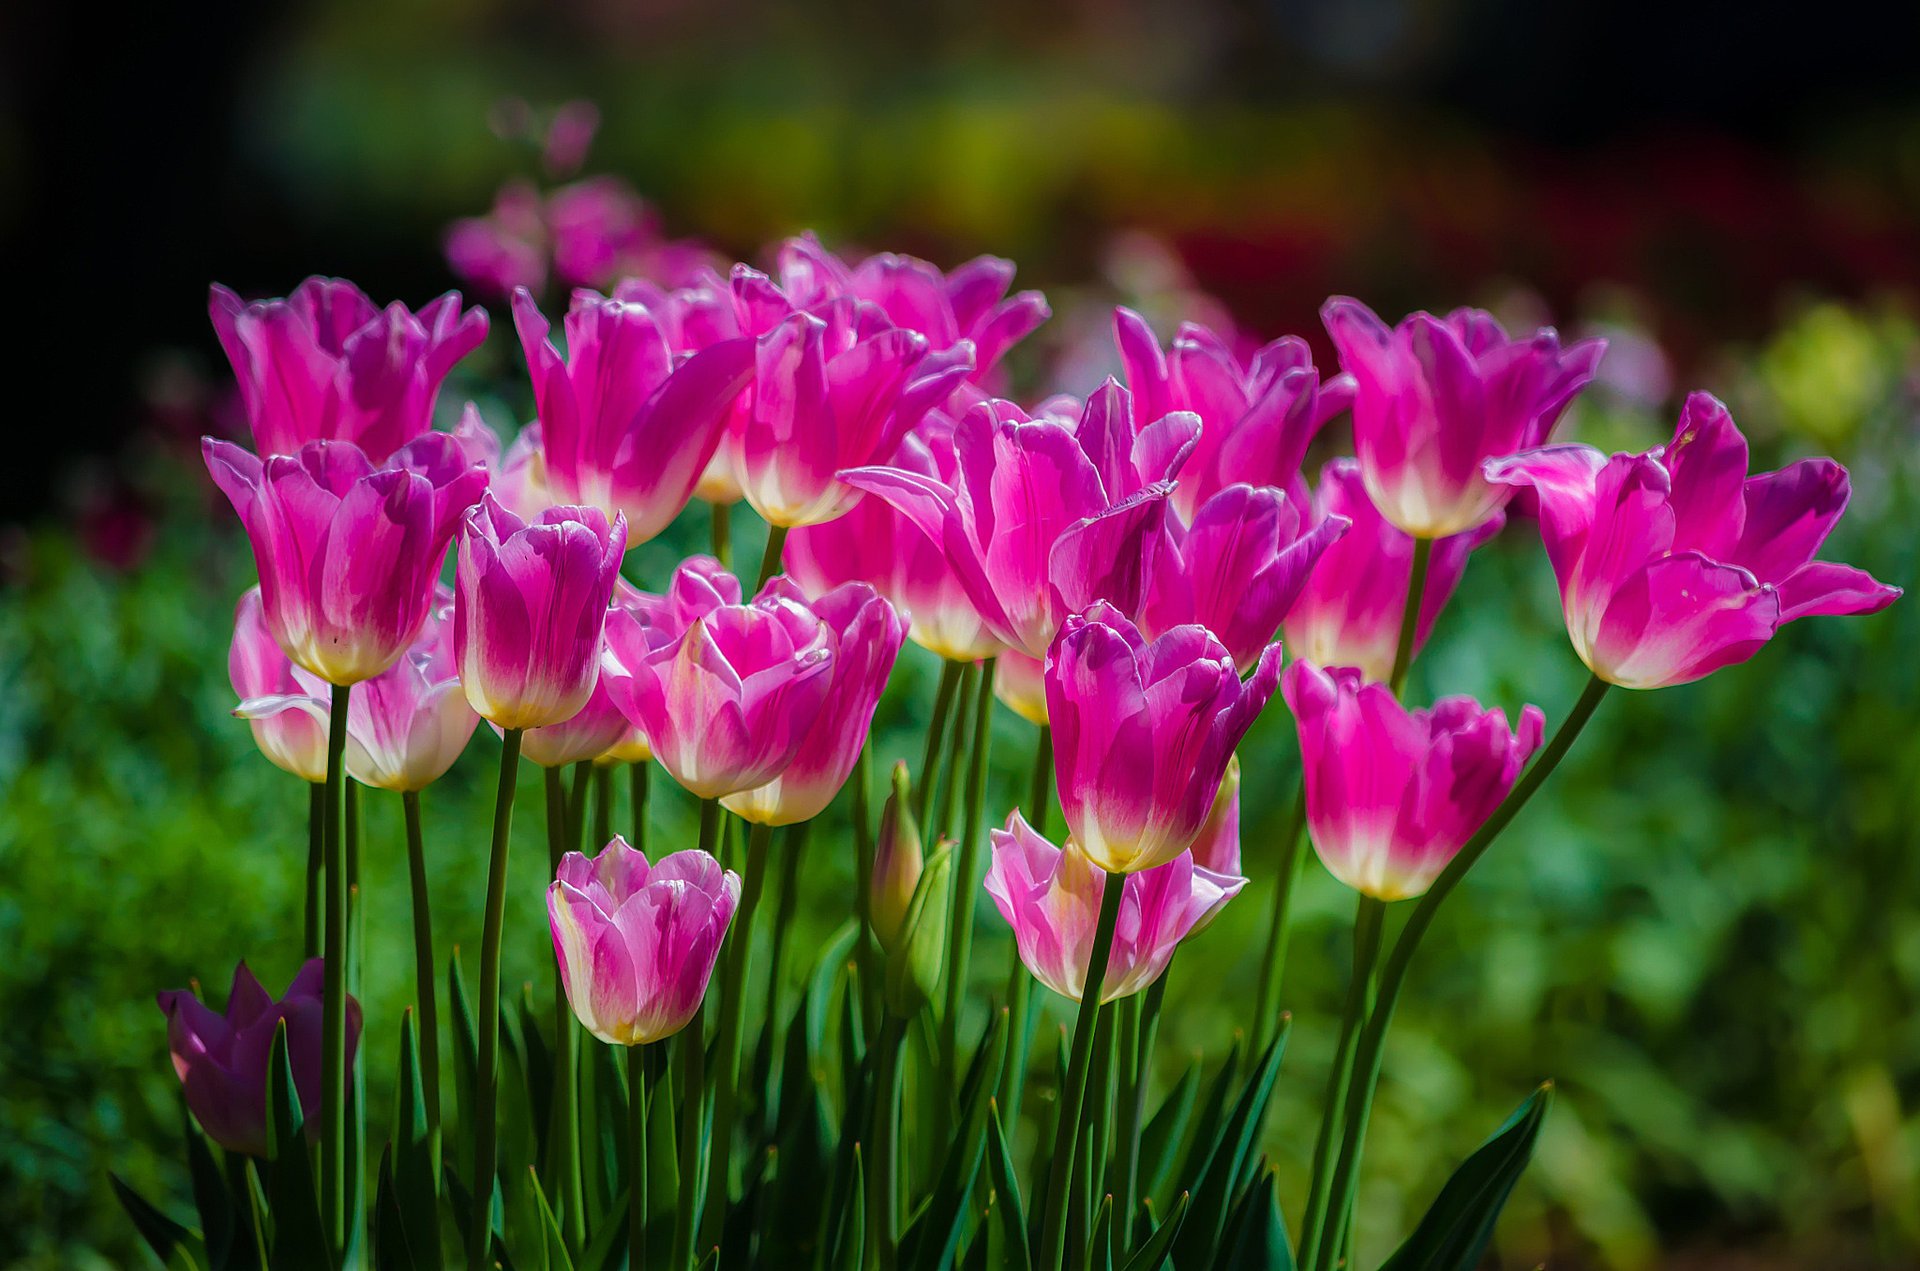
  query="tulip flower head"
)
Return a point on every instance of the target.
[
  {"x": 348, "y": 551},
  {"x": 1143, "y": 732},
  {"x": 1257, "y": 417},
  {"x": 1020, "y": 682},
  {"x": 325, "y": 364},
  {"x": 1435, "y": 398},
  {"x": 1675, "y": 563},
  {"x": 1349, "y": 611},
  {"x": 637, "y": 943},
  {"x": 1050, "y": 896},
  {"x": 407, "y": 725},
  {"x": 1218, "y": 846},
  {"x": 287, "y": 709},
  {"x": 1394, "y": 794},
  {"x": 222, "y": 1059},
  {"x": 589, "y": 732},
  {"x": 530, "y": 605}
]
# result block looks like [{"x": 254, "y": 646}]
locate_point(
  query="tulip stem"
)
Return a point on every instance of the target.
[
  {"x": 960, "y": 928},
  {"x": 1019, "y": 983},
  {"x": 726, "y": 1044},
  {"x": 866, "y": 951},
  {"x": 693, "y": 1063},
  {"x": 1131, "y": 1084},
  {"x": 1073, "y": 1094},
  {"x": 638, "y": 775},
  {"x": 966, "y": 694},
  {"x": 423, "y": 974},
  {"x": 1373, "y": 1041},
  {"x": 569, "y": 1187},
  {"x": 316, "y": 853},
  {"x": 333, "y": 1026},
  {"x": 722, "y": 526},
  {"x": 1410, "y": 615},
  {"x": 602, "y": 806},
  {"x": 929, "y": 776},
  {"x": 1322, "y": 1219},
  {"x": 636, "y": 1158},
  {"x": 1272, "y": 970},
  {"x": 770, "y": 559},
  {"x": 883, "y": 1180},
  {"x": 486, "y": 1090},
  {"x": 1040, "y": 795}
]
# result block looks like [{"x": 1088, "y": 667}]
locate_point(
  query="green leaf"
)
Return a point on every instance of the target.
[
  {"x": 1160, "y": 1141},
  {"x": 1456, "y": 1231},
  {"x": 804, "y": 1165},
  {"x": 1203, "y": 1135},
  {"x": 557, "y": 1258},
  {"x": 1100, "y": 1247},
  {"x": 931, "y": 1242},
  {"x": 416, "y": 1175},
  {"x": 607, "y": 1250},
  {"x": 299, "y": 1233},
  {"x": 1226, "y": 1167},
  {"x": 1152, "y": 1255},
  {"x": 466, "y": 1064},
  {"x": 167, "y": 1238},
  {"x": 1006, "y": 1187},
  {"x": 917, "y": 963},
  {"x": 391, "y": 1249},
  {"x": 1256, "y": 1238},
  {"x": 852, "y": 1255},
  {"x": 210, "y": 1194}
]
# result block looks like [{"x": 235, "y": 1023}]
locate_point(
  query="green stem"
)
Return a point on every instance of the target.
[
  {"x": 966, "y": 695},
  {"x": 1266, "y": 1019},
  {"x": 423, "y": 973},
  {"x": 1318, "y": 1226},
  {"x": 638, "y": 779},
  {"x": 577, "y": 806},
  {"x": 602, "y": 806},
  {"x": 866, "y": 950},
  {"x": 1133, "y": 1072},
  {"x": 636, "y": 1158},
  {"x": 965, "y": 885},
  {"x": 929, "y": 774},
  {"x": 770, "y": 559},
  {"x": 1073, "y": 1094},
  {"x": 570, "y": 1187},
  {"x": 1410, "y": 615},
  {"x": 333, "y": 1026},
  {"x": 1019, "y": 983},
  {"x": 1373, "y": 1041},
  {"x": 316, "y": 853},
  {"x": 785, "y": 904},
  {"x": 693, "y": 1063},
  {"x": 1155, "y": 997},
  {"x": 1040, "y": 793},
  {"x": 726, "y": 1046},
  {"x": 883, "y": 1179},
  {"x": 486, "y": 1090},
  {"x": 722, "y": 528},
  {"x": 357, "y": 1209}
]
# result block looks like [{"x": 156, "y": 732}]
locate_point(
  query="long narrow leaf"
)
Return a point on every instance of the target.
[
  {"x": 1456, "y": 1231},
  {"x": 167, "y": 1238}
]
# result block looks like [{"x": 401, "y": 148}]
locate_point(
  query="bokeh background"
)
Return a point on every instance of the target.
[{"x": 1708, "y": 928}]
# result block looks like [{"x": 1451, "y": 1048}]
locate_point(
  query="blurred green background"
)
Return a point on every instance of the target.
[{"x": 1707, "y": 930}]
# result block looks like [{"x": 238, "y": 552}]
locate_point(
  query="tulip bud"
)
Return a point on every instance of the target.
[
  {"x": 897, "y": 863},
  {"x": 915, "y": 966}
]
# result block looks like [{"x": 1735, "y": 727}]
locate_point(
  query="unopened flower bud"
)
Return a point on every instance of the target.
[
  {"x": 897, "y": 862},
  {"x": 916, "y": 964}
]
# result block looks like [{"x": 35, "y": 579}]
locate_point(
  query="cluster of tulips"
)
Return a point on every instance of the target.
[{"x": 1119, "y": 570}]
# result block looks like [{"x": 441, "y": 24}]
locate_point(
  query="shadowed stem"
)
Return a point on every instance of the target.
[
  {"x": 602, "y": 806},
  {"x": 570, "y": 1189},
  {"x": 1410, "y": 616},
  {"x": 1130, "y": 1082},
  {"x": 333, "y": 1026},
  {"x": 1073, "y": 1094},
  {"x": 722, "y": 527},
  {"x": 423, "y": 973},
  {"x": 929, "y": 773},
  {"x": 1272, "y": 970},
  {"x": 1322, "y": 1221},
  {"x": 770, "y": 559},
  {"x": 1373, "y": 1041},
  {"x": 636, "y": 1158},
  {"x": 316, "y": 852},
  {"x": 638, "y": 778},
  {"x": 693, "y": 1085},
  {"x": 965, "y": 885},
  {"x": 1019, "y": 983},
  {"x": 964, "y": 697},
  {"x": 726, "y": 1044},
  {"x": 866, "y": 949},
  {"x": 883, "y": 1181},
  {"x": 486, "y": 1090}
]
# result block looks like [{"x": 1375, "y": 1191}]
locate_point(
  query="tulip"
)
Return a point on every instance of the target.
[
  {"x": 1257, "y": 416},
  {"x": 530, "y": 604},
  {"x": 504, "y": 250},
  {"x": 1051, "y": 898},
  {"x": 592, "y": 731},
  {"x": 640, "y": 624},
  {"x": 1020, "y": 682},
  {"x": 1350, "y": 610},
  {"x": 1393, "y": 794},
  {"x": 1218, "y": 846},
  {"x": 1044, "y": 517},
  {"x": 407, "y": 725},
  {"x": 698, "y": 316},
  {"x": 325, "y": 364},
  {"x": 875, "y": 544},
  {"x": 517, "y": 480},
  {"x": 898, "y": 859},
  {"x": 1143, "y": 732},
  {"x": 624, "y": 426},
  {"x": 1435, "y": 398},
  {"x": 222, "y": 1060},
  {"x": 288, "y": 713},
  {"x": 1237, "y": 569},
  {"x": 727, "y": 705},
  {"x": 866, "y": 635},
  {"x": 637, "y": 944},
  {"x": 347, "y": 551},
  {"x": 1675, "y": 563}
]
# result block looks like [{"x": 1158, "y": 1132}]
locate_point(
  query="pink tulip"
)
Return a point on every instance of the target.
[
  {"x": 1257, "y": 416},
  {"x": 1675, "y": 563},
  {"x": 1218, "y": 847},
  {"x": 1435, "y": 398},
  {"x": 1237, "y": 569},
  {"x": 504, "y": 250},
  {"x": 727, "y": 703},
  {"x": 1043, "y": 517},
  {"x": 637, "y": 944},
  {"x": 348, "y": 551},
  {"x": 517, "y": 479},
  {"x": 624, "y": 425},
  {"x": 222, "y": 1060},
  {"x": 588, "y": 733},
  {"x": 326, "y": 365},
  {"x": 1051, "y": 899},
  {"x": 407, "y": 725},
  {"x": 640, "y": 623},
  {"x": 866, "y": 635},
  {"x": 287, "y": 709},
  {"x": 530, "y": 604},
  {"x": 1393, "y": 794},
  {"x": 1349, "y": 612},
  {"x": 1020, "y": 682},
  {"x": 694, "y": 317},
  {"x": 1143, "y": 732},
  {"x": 875, "y": 544}
]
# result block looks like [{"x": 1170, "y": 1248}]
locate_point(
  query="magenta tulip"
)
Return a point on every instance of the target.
[
  {"x": 1675, "y": 563},
  {"x": 866, "y": 635},
  {"x": 1257, "y": 416},
  {"x": 325, "y": 364},
  {"x": 1393, "y": 794},
  {"x": 530, "y": 604},
  {"x": 1350, "y": 610},
  {"x": 504, "y": 250},
  {"x": 1237, "y": 569},
  {"x": 1143, "y": 731},
  {"x": 1051, "y": 899},
  {"x": 1044, "y": 517},
  {"x": 1218, "y": 846},
  {"x": 637, "y": 944},
  {"x": 348, "y": 551},
  {"x": 1435, "y": 398},
  {"x": 407, "y": 725},
  {"x": 625, "y": 425},
  {"x": 222, "y": 1060},
  {"x": 287, "y": 709},
  {"x": 1020, "y": 682},
  {"x": 589, "y": 733}
]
